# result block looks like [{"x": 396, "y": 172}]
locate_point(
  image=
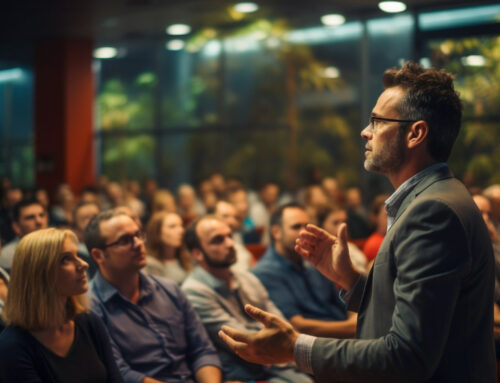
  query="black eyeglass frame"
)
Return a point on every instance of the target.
[
  {"x": 129, "y": 241},
  {"x": 375, "y": 118}
]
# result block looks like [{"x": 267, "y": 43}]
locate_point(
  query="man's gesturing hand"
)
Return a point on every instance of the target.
[
  {"x": 329, "y": 254},
  {"x": 272, "y": 345}
]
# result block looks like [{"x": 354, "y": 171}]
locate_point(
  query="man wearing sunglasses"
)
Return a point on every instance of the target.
[
  {"x": 155, "y": 333},
  {"x": 425, "y": 311}
]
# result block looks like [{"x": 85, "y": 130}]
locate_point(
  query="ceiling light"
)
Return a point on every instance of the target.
[
  {"x": 333, "y": 19},
  {"x": 175, "y": 45},
  {"x": 105, "y": 53},
  {"x": 246, "y": 7},
  {"x": 331, "y": 72},
  {"x": 473, "y": 60},
  {"x": 392, "y": 6},
  {"x": 178, "y": 29}
]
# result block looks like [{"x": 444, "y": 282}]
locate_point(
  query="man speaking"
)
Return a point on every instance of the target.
[{"x": 425, "y": 310}]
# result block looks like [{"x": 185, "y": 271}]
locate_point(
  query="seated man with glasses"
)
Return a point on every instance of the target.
[{"x": 155, "y": 333}]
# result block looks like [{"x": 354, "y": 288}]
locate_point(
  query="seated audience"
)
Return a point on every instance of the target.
[
  {"x": 330, "y": 219},
  {"x": 357, "y": 218},
  {"x": 163, "y": 200},
  {"x": 227, "y": 213},
  {"x": 166, "y": 255},
  {"x": 219, "y": 293},
  {"x": 305, "y": 297},
  {"x": 28, "y": 215},
  {"x": 189, "y": 207},
  {"x": 61, "y": 214},
  {"x": 9, "y": 198},
  {"x": 155, "y": 333},
  {"x": 50, "y": 337},
  {"x": 315, "y": 200},
  {"x": 239, "y": 199}
]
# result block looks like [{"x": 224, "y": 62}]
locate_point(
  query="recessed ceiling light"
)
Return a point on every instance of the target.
[
  {"x": 246, "y": 7},
  {"x": 333, "y": 19},
  {"x": 473, "y": 60},
  {"x": 178, "y": 29},
  {"x": 105, "y": 52},
  {"x": 331, "y": 72},
  {"x": 174, "y": 45},
  {"x": 392, "y": 6}
]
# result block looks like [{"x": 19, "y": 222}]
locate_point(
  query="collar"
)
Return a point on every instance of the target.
[
  {"x": 214, "y": 283},
  {"x": 273, "y": 256},
  {"x": 394, "y": 202},
  {"x": 106, "y": 291}
]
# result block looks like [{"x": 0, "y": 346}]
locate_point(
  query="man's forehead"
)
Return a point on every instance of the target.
[
  {"x": 388, "y": 100},
  {"x": 117, "y": 225},
  {"x": 292, "y": 215},
  {"x": 32, "y": 209},
  {"x": 208, "y": 228}
]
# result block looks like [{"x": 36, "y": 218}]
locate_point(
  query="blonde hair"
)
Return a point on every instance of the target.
[
  {"x": 155, "y": 245},
  {"x": 33, "y": 302}
]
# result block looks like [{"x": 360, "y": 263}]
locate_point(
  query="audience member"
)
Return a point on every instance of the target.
[
  {"x": 315, "y": 200},
  {"x": 28, "y": 215},
  {"x": 167, "y": 256},
  {"x": 189, "y": 208},
  {"x": 357, "y": 219},
  {"x": 61, "y": 214},
  {"x": 155, "y": 333},
  {"x": 239, "y": 199},
  {"x": 330, "y": 219},
  {"x": 163, "y": 200},
  {"x": 332, "y": 190},
  {"x": 218, "y": 293},
  {"x": 10, "y": 197},
  {"x": 50, "y": 337},
  {"x": 226, "y": 212},
  {"x": 132, "y": 200},
  {"x": 306, "y": 298}
]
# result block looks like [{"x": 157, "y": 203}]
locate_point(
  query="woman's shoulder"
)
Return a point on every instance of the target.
[{"x": 13, "y": 339}]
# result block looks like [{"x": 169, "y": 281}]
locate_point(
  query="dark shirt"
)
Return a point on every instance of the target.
[
  {"x": 299, "y": 290},
  {"x": 160, "y": 337},
  {"x": 23, "y": 358},
  {"x": 80, "y": 365}
]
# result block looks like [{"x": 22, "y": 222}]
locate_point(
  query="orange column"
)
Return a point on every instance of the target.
[{"x": 64, "y": 97}]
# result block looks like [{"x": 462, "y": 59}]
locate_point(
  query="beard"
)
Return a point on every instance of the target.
[
  {"x": 229, "y": 260},
  {"x": 388, "y": 158}
]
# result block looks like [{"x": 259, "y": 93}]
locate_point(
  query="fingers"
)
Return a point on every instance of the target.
[
  {"x": 238, "y": 336},
  {"x": 342, "y": 234},
  {"x": 233, "y": 344},
  {"x": 316, "y": 231},
  {"x": 259, "y": 315}
]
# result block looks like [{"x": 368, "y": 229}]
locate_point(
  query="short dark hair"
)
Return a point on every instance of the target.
[
  {"x": 92, "y": 236},
  {"x": 277, "y": 217},
  {"x": 191, "y": 239},
  {"x": 79, "y": 206},
  {"x": 429, "y": 96},
  {"x": 16, "y": 211}
]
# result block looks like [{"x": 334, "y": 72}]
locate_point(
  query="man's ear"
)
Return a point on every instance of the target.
[
  {"x": 276, "y": 232},
  {"x": 417, "y": 134},
  {"x": 197, "y": 255},
  {"x": 16, "y": 228},
  {"x": 97, "y": 255}
]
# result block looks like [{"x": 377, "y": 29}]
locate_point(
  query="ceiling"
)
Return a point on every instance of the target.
[{"x": 25, "y": 22}]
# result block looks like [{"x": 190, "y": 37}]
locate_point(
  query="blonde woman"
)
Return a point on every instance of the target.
[
  {"x": 166, "y": 255},
  {"x": 50, "y": 336}
]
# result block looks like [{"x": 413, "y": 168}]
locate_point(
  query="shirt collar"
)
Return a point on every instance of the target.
[
  {"x": 106, "y": 291},
  {"x": 214, "y": 283},
  {"x": 280, "y": 259},
  {"x": 393, "y": 203}
]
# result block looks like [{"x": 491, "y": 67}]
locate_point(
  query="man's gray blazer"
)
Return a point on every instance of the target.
[{"x": 426, "y": 308}]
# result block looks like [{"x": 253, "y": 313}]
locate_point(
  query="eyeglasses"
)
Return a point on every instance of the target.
[
  {"x": 126, "y": 240},
  {"x": 375, "y": 118}
]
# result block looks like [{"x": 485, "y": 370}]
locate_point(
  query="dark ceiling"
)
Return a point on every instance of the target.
[{"x": 24, "y": 22}]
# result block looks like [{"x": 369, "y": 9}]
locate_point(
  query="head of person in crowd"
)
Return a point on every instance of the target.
[
  {"x": 150, "y": 187},
  {"x": 29, "y": 215},
  {"x": 163, "y": 200},
  {"x": 331, "y": 218},
  {"x": 493, "y": 194},
  {"x": 90, "y": 194},
  {"x": 82, "y": 215},
  {"x": 116, "y": 244},
  {"x": 226, "y": 212},
  {"x": 186, "y": 202},
  {"x": 130, "y": 212},
  {"x": 286, "y": 223},
  {"x": 133, "y": 188},
  {"x": 210, "y": 243},
  {"x": 484, "y": 206},
  {"x": 164, "y": 233},
  {"x": 47, "y": 281},
  {"x": 332, "y": 190},
  {"x": 269, "y": 193},
  {"x": 42, "y": 196},
  {"x": 239, "y": 199},
  {"x": 219, "y": 184},
  {"x": 315, "y": 200},
  {"x": 11, "y": 197},
  {"x": 115, "y": 194},
  {"x": 353, "y": 199}
]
